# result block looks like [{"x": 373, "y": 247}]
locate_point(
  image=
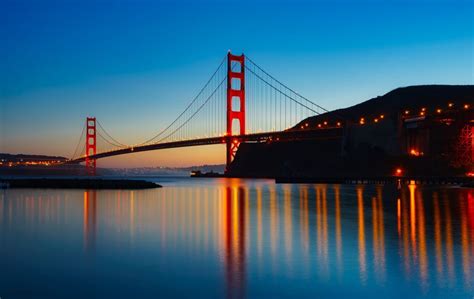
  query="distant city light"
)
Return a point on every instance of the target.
[{"x": 414, "y": 152}]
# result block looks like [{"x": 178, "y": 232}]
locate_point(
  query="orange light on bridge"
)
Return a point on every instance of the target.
[
  {"x": 376, "y": 120},
  {"x": 306, "y": 124},
  {"x": 407, "y": 112},
  {"x": 338, "y": 124},
  {"x": 382, "y": 116},
  {"x": 423, "y": 109},
  {"x": 325, "y": 123},
  {"x": 398, "y": 172},
  {"x": 466, "y": 106},
  {"x": 450, "y": 105},
  {"x": 319, "y": 125},
  {"x": 438, "y": 110},
  {"x": 362, "y": 121},
  {"x": 416, "y": 153},
  {"x": 422, "y": 113}
]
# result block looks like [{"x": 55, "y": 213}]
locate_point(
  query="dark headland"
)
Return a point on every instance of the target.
[{"x": 414, "y": 131}]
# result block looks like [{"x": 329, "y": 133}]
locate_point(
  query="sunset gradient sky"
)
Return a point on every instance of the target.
[{"x": 136, "y": 64}]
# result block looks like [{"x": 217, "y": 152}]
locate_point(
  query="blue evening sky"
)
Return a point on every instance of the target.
[{"x": 136, "y": 64}]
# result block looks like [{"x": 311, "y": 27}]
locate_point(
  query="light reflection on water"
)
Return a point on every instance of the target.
[{"x": 238, "y": 238}]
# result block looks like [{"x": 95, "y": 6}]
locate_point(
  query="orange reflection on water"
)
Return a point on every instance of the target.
[
  {"x": 338, "y": 227},
  {"x": 378, "y": 235},
  {"x": 466, "y": 259},
  {"x": 257, "y": 224},
  {"x": 449, "y": 242},
  {"x": 234, "y": 245},
  {"x": 259, "y": 221},
  {"x": 304, "y": 219},
  {"x": 438, "y": 239},
  {"x": 274, "y": 223},
  {"x": 89, "y": 219},
  {"x": 288, "y": 223},
  {"x": 423, "y": 258},
  {"x": 322, "y": 229},
  {"x": 361, "y": 224}
]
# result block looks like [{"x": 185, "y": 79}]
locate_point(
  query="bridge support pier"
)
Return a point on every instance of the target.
[
  {"x": 235, "y": 94},
  {"x": 91, "y": 145}
]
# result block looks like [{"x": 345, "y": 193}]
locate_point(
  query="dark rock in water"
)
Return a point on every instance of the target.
[{"x": 78, "y": 184}]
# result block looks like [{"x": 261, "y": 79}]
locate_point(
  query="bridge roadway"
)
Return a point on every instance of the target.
[{"x": 288, "y": 135}]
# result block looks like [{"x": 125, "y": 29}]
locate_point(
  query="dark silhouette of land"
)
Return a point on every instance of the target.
[{"x": 416, "y": 129}]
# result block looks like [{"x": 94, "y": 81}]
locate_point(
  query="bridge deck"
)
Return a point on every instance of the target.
[{"x": 309, "y": 134}]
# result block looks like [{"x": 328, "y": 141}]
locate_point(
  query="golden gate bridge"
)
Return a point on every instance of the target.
[{"x": 240, "y": 102}]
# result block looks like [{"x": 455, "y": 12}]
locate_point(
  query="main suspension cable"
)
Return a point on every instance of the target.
[
  {"x": 189, "y": 105},
  {"x": 79, "y": 142},
  {"x": 279, "y": 82},
  {"x": 113, "y": 139}
]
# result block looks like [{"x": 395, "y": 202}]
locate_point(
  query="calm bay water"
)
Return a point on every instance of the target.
[{"x": 218, "y": 238}]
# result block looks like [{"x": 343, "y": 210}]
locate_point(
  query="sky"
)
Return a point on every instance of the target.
[{"x": 136, "y": 64}]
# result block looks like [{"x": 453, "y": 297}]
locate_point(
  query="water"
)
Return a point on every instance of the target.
[{"x": 218, "y": 238}]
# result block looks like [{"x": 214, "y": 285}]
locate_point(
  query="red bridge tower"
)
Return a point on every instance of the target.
[
  {"x": 91, "y": 145},
  {"x": 235, "y": 94}
]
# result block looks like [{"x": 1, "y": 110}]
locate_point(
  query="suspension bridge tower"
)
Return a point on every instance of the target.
[
  {"x": 91, "y": 145},
  {"x": 235, "y": 103}
]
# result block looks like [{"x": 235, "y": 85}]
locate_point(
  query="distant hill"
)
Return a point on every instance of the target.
[{"x": 410, "y": 98}]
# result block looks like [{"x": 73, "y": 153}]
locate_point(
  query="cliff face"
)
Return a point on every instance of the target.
[{"x": 374, "y": 148}]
